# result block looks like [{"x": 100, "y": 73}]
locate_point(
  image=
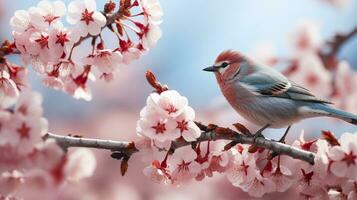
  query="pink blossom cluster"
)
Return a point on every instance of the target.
[
  {"x": 48, "y": 45},
  {"x": 167, "y": 117},
  {"x": 333, "y": 176},
  {"x": 12, "y": 79},
  {"x": 28, "y": 162},
  {"x": 187, "y": 163}
]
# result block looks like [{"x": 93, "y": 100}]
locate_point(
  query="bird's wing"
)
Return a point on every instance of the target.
[{"x": 274, "y": 84}]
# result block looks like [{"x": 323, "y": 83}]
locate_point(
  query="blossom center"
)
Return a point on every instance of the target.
[
  {"x": 50, "y": 18},
  {"x": 104, "y": 54},
  {"x": 184, "y": 166},
  {"x": 62, "y": 38},
  {"x": 43, "y": 41},
  {"x": 307, "y": 176},
  {"x": 24, "y": 131},
  {"x": 87, "y": 16},
  {"x": 245, "y": 168},
  {"x": 350, "y": 158},
  {"x": 159, "y": 128},
  {"x": 182, "y": 126},
  {"x": 171, "y": 109}
]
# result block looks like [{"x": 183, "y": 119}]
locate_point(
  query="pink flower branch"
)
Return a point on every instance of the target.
[{"x": 127, "y": 149}]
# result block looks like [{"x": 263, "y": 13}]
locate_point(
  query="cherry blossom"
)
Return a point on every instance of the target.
[
  {"x": 349, "y": 189},
  {"x": 79, "y": 164},
  {"x": 157, "y": 173},
  {"x": 280, "y": 175},
  {"x": 46, "y": 13},
  {"x": 183, "y": 165},
  {"x": 212, "y": 158},
  {"x": 158, "y": 128},
  {"x": 61, "y": 40},
  {"x": 77, "y": 90},
  {"x": 185, "y": 125},
  {"x": 345, "y": 79},
  {"x": 105, "y": 60},
  {"x": 306, "y": 36},
  {"x": 259, "y": 186},
  {"x": 46, "y": 156},
  {"x": 76, "y": 84},
  {"x": 152, "y": 10},
  {"x": 29, "y": 104},
  {"x": 20, "y": 22},
  {"x": 169, "y": 103},
  {"x": 220, "y": 159},
  {"x": 150, "y": 34},
  {"x": 129, "y": 50},
  {"x": 10, "y": 182},
  {"x": 166, "y": 117},
  {"x": 8, "y": 90},
  {"x": 18, "y": 74},
  {"x": 306, "y": 145},
  {"x": 28, "y": 132},
  {"x": 84, "y": 14},
  {"x": 27, "y": 125},
  {"x": 344, "y": 157},
  {"x": 243, "y": 169}
]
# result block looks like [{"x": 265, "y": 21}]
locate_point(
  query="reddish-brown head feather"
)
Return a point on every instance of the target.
[{"x": 229, "y": 55}]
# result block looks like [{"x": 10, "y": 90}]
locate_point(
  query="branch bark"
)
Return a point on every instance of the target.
[
  {"x": 329, "y": 58},
  {"x": 217, "y": 133}
]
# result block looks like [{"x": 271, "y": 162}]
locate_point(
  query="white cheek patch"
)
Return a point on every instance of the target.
[{"x": 221, "y": 70}]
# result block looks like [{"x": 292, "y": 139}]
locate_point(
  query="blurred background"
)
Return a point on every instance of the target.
[{"x": 194, "y": 33}]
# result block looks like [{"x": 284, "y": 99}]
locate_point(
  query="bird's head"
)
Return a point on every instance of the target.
[{"x": 229, "y": 65}]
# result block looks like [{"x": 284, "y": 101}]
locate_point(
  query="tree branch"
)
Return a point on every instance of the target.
[
  {"x": 329, "y": 58},
  {"x": 217, "y": 133}
]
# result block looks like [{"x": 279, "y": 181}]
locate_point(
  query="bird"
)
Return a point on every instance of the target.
[{"x": 267, "y": 98}]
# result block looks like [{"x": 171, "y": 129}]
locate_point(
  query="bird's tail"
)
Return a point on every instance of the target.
[{"x": 340, "y": 114}]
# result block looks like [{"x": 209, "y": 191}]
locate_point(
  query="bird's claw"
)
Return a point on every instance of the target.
[
  {"x": 257, "y": 135},
  {"x": 282, "y": 139}
]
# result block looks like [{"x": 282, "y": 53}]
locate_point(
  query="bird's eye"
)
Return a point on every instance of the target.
[{"x": 224, "y": 64}]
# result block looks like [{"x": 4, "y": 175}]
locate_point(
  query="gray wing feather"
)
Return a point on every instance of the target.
[
  {"x": 272, "y": 83},
  {"x": 297, "y": 92}
]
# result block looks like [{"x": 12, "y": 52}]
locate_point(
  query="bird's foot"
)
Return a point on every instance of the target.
[
  {"x": 253, "y": 148},
  {"x": 259, "y": 133},
  {"x": 282, "y": 139}
]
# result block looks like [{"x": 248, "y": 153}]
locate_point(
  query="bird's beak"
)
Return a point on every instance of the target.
[{"x": 211, "y": 69}]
